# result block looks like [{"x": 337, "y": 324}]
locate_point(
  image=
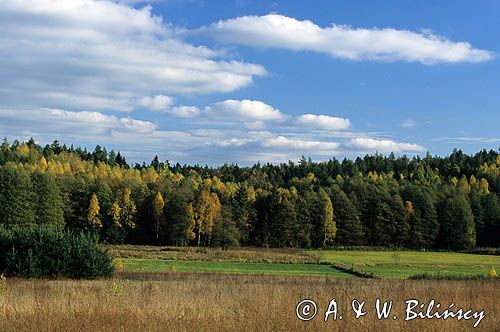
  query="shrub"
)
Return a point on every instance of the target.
[
  {"x": 3, "y": 284},
  {"x": 50, "y": 251},
  {"x": 118, "y": 264}
]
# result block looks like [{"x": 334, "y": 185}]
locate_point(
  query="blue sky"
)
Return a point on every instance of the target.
[{"x": 246, "y": 81}]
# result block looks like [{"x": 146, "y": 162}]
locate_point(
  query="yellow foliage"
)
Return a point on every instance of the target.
[
  {"x": 251, "y": 194},
  {"x": 118, "y": 264},
  {"x": 284, "y": 193},
  {"x": 454, "y": 181},
  {"x": 129, "y": 208},
  {"x": 115, "y": 212},
  {"x": 93, "y": 213},
  {"x": 493, "y": 272},
  {"x": 193, "y": 177},
  {"x": 23, "y": 150},
  {"x": 192, "y": 222},
  {"x": 43, "y": 164},
  {"x": 175, "y": 177},
  {"x": 218, "y": 185},
  {"x": 150, "y": 175},
  {"x": 310, "y": 178},
  {"x": 231, "y": 189},
  {"x": 484, "y": 186},
  {"x": 410, "y": 211},
  {"x": 206, "y": 211},
  {"x": 464, "y": 184},
  {"x": 51, "y": 168},
  {"x": 158, "y": 205}
]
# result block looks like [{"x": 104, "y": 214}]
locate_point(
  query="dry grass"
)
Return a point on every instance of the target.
[
  {"x": 216, "y": 302},
  {"x": 243, "y": 255}
]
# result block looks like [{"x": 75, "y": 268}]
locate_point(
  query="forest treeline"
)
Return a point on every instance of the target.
[{"x": 449, "y": 202}]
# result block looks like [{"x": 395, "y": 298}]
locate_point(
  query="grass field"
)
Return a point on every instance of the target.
[
  {"x": 155, "y": 265},
  {"x": 402, "y": 264},
  {"x": 252, "y": 290},
  {"x": 384, "y": 264},
  {"x": 176, "y": 301}
]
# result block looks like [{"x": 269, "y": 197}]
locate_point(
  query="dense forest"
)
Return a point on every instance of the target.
[{"x": 449, "y": 202}]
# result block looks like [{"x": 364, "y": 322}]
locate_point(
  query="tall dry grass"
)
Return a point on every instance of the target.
[
  {"x": 239, "y": 254},
  {"x": 217, "y": 302}
]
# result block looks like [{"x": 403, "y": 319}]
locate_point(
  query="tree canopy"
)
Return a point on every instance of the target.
[{"x": 449, "y": 202}]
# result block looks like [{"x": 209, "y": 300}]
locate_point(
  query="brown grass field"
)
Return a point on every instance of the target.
[
  {"x": 238, "y": 254},
  {"x": 174, "y": 301}
]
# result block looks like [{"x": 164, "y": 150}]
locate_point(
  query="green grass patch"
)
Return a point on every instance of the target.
[
  {"x": 155, "y": 265},
  {"x": 403, "y": 264}
]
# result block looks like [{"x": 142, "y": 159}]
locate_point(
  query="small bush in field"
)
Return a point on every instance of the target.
[
  {"x": 3, "y": 284},
  {"x": 118, "y": 264},
  {"x": 50, "y": 251},
  {"x": 172, "y": 268},
  {"x": 493, "y": 272}
]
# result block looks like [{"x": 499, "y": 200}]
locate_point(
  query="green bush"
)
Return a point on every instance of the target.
[{"x": 50, "y": 251}]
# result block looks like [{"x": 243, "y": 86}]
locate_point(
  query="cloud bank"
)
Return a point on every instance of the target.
[
  {"x": 341, "y": 41},
  {"x": 71, "y": 68},
  {"x": 102, "y": 55}
]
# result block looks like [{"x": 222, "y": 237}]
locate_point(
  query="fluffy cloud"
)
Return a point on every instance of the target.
[
  {"x": 340, "y": 41},
  {"x": 376, "y": 145},
  {"x": 244, "y": 110},
  {"x": 138, "y": 125},
  {"x": 140, "y": 140},
  {"x": 323, "y": 122},
  {"x": 307, "y": 146},
  {"x": 65, "y": 122},
  {"x": 103, "y": 55},
  {"x": 156, "y": 103},
  {"x": 184, "y": 111}
]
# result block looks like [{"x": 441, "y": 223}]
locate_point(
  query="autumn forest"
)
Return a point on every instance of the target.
[{"x": 450, "y": 202}]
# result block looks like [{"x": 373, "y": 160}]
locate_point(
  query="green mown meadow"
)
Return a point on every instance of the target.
[
  {"x": 383, "y": 264},
  {"x": 403, "y": 264},
  {"x": 152, "y": 265}
]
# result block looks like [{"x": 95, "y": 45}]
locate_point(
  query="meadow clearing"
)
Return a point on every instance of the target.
[
  {"x": 383, "y": 264},
  {"x": 403, "y": 264}
]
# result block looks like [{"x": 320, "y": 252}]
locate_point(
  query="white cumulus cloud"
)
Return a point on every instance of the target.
[
  {"x": 341, "y": 41},
  {"x": 244, "y": 110},
  {"x": 184, "y": 111},
  {"x": 103, "y": 55},
  {"x": 156, "y": 103},
  {"x": 383, "y": 145},
  {"x": 307, "y": 146},
  {"x": 324, "y": 122}
]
